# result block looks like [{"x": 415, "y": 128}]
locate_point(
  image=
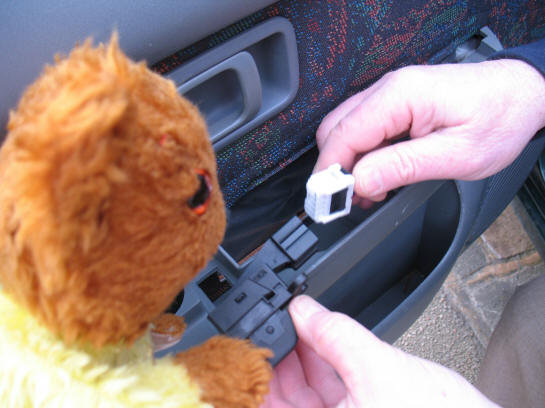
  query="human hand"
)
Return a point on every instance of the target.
[
  {"x": 370, "y": 373},
  {"x": 465, "y": 121}
]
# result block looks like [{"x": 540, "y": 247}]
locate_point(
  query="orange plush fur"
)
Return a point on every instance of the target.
[{"x": 96, "y": 235}]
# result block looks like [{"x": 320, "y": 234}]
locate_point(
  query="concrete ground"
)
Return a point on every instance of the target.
[{"x": 455, "y": 328}]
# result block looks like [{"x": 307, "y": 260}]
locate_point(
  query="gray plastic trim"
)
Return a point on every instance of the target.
[
  {"x": 348, "y": 251},
  {"x": 273, "y": 47},
  {"x": 480, "y": 50},
  {"x": 399, "y": 320}
]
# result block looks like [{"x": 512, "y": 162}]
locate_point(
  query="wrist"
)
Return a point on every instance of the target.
[{"x": 529, "y": 85}]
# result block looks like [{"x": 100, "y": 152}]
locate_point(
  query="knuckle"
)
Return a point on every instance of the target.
[
  {"x": 397, "y": 77},
  {"x": 320, "y": 137},
  {"x": 404, "y": 166},
  {"x": 341, "y": 129},
  {"x": 323, "y": 131},
  {"x": 404, "y": 77},
  {"x": 328, "y": 332}
]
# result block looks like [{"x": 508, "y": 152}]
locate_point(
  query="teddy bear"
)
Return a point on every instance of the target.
[{"x": 110, "y": 205}]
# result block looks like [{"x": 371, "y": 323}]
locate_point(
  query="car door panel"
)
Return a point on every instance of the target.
[{"x": 381, "y": 266}]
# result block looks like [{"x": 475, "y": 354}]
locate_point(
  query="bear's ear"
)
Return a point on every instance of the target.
[{"x": 74, "y": 103}]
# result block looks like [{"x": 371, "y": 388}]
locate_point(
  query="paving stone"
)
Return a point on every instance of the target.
[
  {"x": 471, "y": 260},
  {"x": 482, "y": 298},
  {"x": 531, "y": 259},
  {"x": 506, "y": 237},
  {"x": 461, "y": 302},
  {"x": 489, "y": 299},
  {"x": 503, "y": 269},
  {"x": 494, "y": 270},
  {"x": 529, "y": 273}
]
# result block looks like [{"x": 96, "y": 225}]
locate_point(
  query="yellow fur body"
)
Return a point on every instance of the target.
[{"x": 39, "y": 370}]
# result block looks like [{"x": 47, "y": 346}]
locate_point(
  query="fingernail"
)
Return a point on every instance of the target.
[
  {"x": 304, "y": 307},
  {"x": 370, "y": 182}
]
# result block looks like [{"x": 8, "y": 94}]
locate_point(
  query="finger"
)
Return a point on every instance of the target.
[
  {"x": 397, "y": 105},
  {"x": 334, "y": 151},
  {"x": 290, "y": 374},
  {"x": 366, "y": 203},
  {"x": 275, "y": 398},
  {"x": 354, "y": 352},
  {"x": 321, "y": 376},
  {"x": 293, "y": 383},
  {"x": 366, "y": 127},
  {"x": 336, "y": 115},
  {"x": 441, "y": 155},
  {"x": 375, "y": 373},
  {"x": 333, "y": 117},
  {"x": 362, "y": 202},
  {"x": 378, "y": 197}
]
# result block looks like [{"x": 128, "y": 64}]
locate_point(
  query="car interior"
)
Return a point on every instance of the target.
[{"x": 264, "y": 74}]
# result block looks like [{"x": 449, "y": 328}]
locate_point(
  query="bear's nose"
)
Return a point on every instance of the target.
[{"x": 200, "y": 200}]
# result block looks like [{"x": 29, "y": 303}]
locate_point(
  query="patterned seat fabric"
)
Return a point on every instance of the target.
[{"x": 344, "y": 46}]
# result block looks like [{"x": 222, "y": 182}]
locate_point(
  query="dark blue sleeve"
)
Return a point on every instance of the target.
[{"x": 533, "y": 54}]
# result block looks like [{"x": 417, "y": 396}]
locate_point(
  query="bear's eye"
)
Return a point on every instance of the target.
[{"x": 200, "y": 200}]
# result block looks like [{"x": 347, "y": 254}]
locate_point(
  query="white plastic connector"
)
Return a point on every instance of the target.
[{"x": 329, "y": 194}]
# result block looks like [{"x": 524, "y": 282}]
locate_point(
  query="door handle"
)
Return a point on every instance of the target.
[
  {"x": 244, "y": 81},
  {"x": 236, "y": 89}
]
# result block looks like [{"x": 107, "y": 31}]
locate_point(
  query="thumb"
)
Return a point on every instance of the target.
[
  {"x": 341, "y": 342},
  {"x": 436, "y": 156},
  {"x": 375, "y": 373}
]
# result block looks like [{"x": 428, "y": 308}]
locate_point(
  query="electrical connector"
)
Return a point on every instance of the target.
[{"x": 329, "y": 194}]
